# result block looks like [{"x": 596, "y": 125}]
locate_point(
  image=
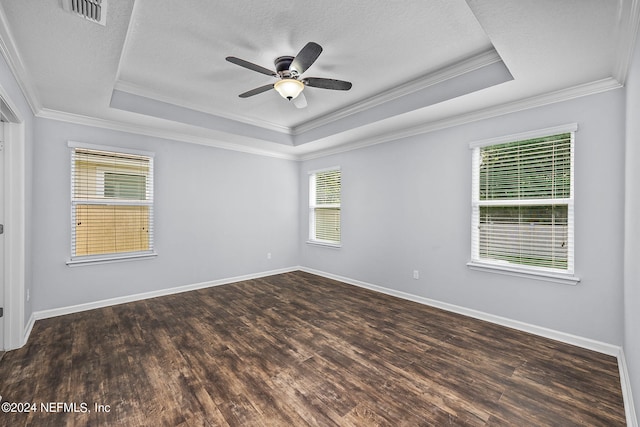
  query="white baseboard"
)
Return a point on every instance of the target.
[
  {"x": 625, "y": 382},
  {"x": 601, "y": 347},
  {"x": 28, "y": 328},
  {"x": 61, "y": 311},
  {"x": 587, "y": 343}
]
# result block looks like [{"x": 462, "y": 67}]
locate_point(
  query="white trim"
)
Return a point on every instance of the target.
[
  {"x": 173, "y": 135},
  {"x": 127, "y": 41},
  {"x": 61, "y": 311},
  {"x": 112, "y": 202},
  {"x": 145, "y": 156},
  {"x": 15, "y": 231},
  {"x": 465, "y": 66},
  {"x": 523, "y": 202},
  {"x": 143, "y": 92},
  {"x": 332, "y": 168},
  {"x": 324, "y": 244},
  {"x": 313, "y": 206},
  {"x": 109, "y": 259},
  {"x": 562, "y": 95},
  {"x": 565, "y": 276},
  {"x": 14, "y": 60},
  {"x": 16, "y": 64},
  {"x": 628, "y": 29},
  {"x": 627, "y": 397},
  {"x": 522, "y": 136},
  {"x": 109, "y": 148},
  {"x": 586, "y": 89},
  {"x": 138, "y": 90},
  {"x": 623, "y": 56},
  {"x": 28, "y": 329},
  {"x": 587, "y": 343},
  {"x": 538, "y": 274}
]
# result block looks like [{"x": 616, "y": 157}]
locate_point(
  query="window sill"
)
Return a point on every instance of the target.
[
  {"x": 565, "y": 279},
  {"x": 325, "y": 244},
  {"x": 109, "y": 259}
]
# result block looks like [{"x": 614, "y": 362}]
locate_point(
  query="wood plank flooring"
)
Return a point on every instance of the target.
[{"x": 300, "y": 350}]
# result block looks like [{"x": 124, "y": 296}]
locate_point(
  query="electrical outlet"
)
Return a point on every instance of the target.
[
  {"x": 416, "y": 274},
  {"x": 28, "y": 294},
  {"x": 268, "y": 255}
]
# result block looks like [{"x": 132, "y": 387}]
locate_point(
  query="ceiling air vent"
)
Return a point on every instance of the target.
[{"x": 93, "y": 10}]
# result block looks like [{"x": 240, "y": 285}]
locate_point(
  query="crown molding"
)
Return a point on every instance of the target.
[
  {"x": 16, "y": 64},
  {"x": 138, "y": 129},
  {"x": 485, "y": 113},
  {"x": 470, "y": 64},
  {"x": 578, "y": 91},
  {"x": 144, "y": 92},
  {"x": 628, "y": 33},
  {"x": 461, "y": 68}
]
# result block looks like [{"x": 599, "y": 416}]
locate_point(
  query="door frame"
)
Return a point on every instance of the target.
[{"x": 15, "y": 224}]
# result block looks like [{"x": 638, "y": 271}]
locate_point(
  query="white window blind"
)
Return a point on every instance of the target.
[
  {"x": 111, "y": 203},
  {"x": 324, "y": 206},
  {"x": 522, "y": 205}
]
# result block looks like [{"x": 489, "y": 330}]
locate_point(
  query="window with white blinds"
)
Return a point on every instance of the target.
[
  {"x": 324, "y": 206},
  {"x": 522, "y": 204},
  {"x": 111, "y": 203}
]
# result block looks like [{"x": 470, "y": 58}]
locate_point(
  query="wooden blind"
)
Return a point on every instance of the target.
[{"x": 112, "y": 203}]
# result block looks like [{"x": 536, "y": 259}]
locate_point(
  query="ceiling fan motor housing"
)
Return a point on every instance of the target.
[
  {"x": 282, "y": 64},
  {"x": 289, "y": 69}
]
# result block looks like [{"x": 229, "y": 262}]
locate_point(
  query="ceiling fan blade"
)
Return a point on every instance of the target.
[
  {"x": 256, "y": 91},
  {"x": 306, "y": 57},
  {"x": 250, "y": 66},
  {"x": 300, "y": 101},
  {"x": 332, "y": 84}
]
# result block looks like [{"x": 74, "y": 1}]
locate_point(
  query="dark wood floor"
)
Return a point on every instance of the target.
[{"x": 297, "y": 350}]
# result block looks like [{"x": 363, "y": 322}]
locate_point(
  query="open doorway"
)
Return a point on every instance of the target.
[
  {"x": 2, "y": 239},
  {"x": 12, "y": 218}
]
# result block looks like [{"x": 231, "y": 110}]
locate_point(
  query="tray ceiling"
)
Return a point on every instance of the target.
[{"x": 158, "y": 66}]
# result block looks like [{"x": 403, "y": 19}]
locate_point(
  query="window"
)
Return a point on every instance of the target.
[
  {"x": 324, "y": 207},
  {"x": 522, "y": 202},
  {"x": 111, "y": 203},
  {"x": 125, "y": 186}
]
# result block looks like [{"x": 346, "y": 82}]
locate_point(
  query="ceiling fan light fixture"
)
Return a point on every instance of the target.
[{"x": 289, "y": 88}]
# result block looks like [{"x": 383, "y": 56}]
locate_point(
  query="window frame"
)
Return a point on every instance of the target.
[
  {"x": 522, "y": 270},
  {"x": 75, "y": 260},
  {"x": 313, "y": 206}
]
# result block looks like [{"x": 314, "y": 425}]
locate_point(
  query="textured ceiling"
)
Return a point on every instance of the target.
[
  {"x": 176, "y": 51},
  {"x": 158, "y": 66}
]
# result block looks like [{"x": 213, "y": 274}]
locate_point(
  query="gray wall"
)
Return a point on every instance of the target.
[
  {"x": 11, "y": 87},
  {"x": 217, "y": 214},
  {"x": 406, "y": 206},
  {"x": 632, "y": 230}
]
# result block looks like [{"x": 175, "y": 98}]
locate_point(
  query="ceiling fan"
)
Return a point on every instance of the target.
[{"x": 288, "y": 71}]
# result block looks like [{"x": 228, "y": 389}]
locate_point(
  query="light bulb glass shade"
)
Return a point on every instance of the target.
[{"x": 289, "y": 88}]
